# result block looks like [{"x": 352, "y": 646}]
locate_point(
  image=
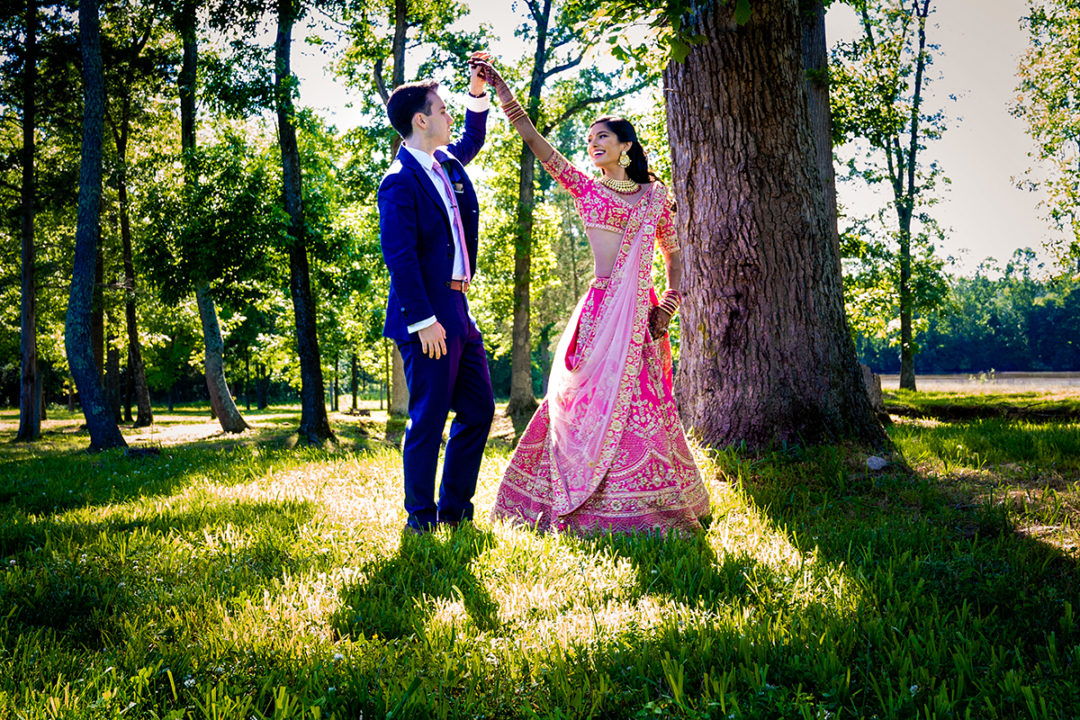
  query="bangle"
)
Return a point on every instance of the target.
[
  {"x": 513, "y": 110},
  {"x": 482, "y": 94}
]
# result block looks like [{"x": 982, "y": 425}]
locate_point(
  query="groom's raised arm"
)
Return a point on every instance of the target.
[{"x": 468, "y": 145}]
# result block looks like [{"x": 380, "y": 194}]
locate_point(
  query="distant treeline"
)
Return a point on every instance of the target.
[{"x": 1006, "y": 320}]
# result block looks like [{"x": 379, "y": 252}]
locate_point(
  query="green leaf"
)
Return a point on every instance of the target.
[
  {"x": 742, "y": 11},
  {"x": 679, "y": 50}
]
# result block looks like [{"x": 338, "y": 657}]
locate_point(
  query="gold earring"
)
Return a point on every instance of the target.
[{"x": 624, "y": 159}]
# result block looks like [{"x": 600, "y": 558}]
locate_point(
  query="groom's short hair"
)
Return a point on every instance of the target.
[{"x": 407, "y": 100}]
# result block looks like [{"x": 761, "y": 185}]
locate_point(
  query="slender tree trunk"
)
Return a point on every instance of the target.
[
  {"x": 337, "y": 363},
  {"x": 905, "y": 206},
  {"x": 221, "y": 400},
  {"x": 522, "y": 402},
  {"x": 314, "y": 425},
  {"x": 97, "y": 312},
  {"x": 135, "y": 362},
  {"x": 769, "y": 359},
  {"x": 30, "y": 379},
  {"x": 247, "y": 378},
  {"x": 104, "y": 432},
  {"x": 112, "y": 377},
  {"x": 352, "y": 380}
]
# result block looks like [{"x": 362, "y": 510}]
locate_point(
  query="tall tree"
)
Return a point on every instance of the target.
[
  {"x": 221, "y": 400},
  {"x": 135, "y": 27},
  {"x": 559, "y": 45},
  {"x": 30, "y": 380},
  {"x": 878, "y": 97},
  {"x": 314, "y": 424},
  {"x": 766, "y": 356},
  {"x": 1050, "y": 106},
  {"x": 104, "y": 432}
]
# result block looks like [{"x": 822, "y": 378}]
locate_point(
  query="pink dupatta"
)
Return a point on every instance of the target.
[{"x": 589, "y": 401}]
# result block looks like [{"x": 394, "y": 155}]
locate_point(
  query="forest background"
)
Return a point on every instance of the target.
[{"x": 162, "y": 240}]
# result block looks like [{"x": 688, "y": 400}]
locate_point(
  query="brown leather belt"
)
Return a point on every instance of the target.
[{"x": 462, "y": 286}]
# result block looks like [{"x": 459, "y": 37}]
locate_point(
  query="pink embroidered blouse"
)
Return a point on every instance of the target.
[{"x": 600, "y": 208}]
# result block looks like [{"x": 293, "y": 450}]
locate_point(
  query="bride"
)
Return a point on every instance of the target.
[{"x": 605, "y": 450}]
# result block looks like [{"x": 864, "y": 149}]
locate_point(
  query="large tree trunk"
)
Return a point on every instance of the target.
[
  {"x": 221, "y": 400},
  {"x": 104, "y": 432},
  {"x": 766, "y": 356},
  {"x": 30, "y": 378},
  {"x": 314, "y": 425}
]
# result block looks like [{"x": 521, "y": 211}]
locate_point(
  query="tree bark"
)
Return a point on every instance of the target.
[
  {"x": 766, "y": 356},
  {"x": 314, "y": 425},
  {"x": 221, "y": 399},
  {"x": 815, "y": 52},
  {"x": 104, "y": 432},
  {"x": 30, "y": 378}
]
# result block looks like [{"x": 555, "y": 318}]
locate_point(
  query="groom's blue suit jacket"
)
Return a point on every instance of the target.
[{"x": 417, "y": 242}]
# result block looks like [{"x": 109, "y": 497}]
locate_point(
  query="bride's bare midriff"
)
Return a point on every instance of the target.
[{"x": 605, "y": 248}]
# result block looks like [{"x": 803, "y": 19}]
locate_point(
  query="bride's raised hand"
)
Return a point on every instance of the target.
[
  {"x": 493, "y": 78},
  {"x": 515, "y": 113}
]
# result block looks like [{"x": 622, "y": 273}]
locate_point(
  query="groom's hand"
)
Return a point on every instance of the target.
[
  {"x": 477, "y": 84},
  {"x": 433, "y": 340}
]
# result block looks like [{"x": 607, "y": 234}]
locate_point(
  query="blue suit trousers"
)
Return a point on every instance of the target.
[{"x": 458, "y": 381}]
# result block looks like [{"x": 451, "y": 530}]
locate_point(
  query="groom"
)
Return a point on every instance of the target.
[{"x": 428, "y": 224}]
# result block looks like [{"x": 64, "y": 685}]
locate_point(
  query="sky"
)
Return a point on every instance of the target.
[{"x": 984, "y": 151}]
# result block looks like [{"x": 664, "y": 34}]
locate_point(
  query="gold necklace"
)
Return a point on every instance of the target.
[{"x": 625, "y": 187}]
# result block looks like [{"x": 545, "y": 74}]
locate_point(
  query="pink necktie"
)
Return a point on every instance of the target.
[{"x": 457, "y": 216}]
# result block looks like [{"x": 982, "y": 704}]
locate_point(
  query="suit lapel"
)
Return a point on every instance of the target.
[{"x": 407, "y": 160}]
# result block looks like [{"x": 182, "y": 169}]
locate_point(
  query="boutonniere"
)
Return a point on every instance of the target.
[{"x": 459, "y": 187}]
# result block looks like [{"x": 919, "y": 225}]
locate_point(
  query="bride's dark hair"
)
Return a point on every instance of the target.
[{"x": 638, "y": 170}]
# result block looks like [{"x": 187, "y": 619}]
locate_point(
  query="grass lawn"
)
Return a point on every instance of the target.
[{"x": 240, "y": 577}]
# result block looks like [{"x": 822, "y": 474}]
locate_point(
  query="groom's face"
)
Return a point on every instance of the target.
[{"x": 439, "y": 121}]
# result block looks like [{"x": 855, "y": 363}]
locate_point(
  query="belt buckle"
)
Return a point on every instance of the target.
[{"x": 464, "y": 287}]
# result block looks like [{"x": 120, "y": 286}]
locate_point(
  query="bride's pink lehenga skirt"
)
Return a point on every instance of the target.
[{"x": 653, "y": 483}]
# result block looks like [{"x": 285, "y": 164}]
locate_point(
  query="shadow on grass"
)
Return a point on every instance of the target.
[
  {"x": 392, "y": 600},
  {"x": 922, "y": 540},
  {"x": 90, "y": 578}
]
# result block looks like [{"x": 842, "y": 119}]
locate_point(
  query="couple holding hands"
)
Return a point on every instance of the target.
[{"x": 605, "y": 450}]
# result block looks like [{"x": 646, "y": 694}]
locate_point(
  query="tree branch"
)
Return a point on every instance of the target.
[
  {"x": 565, "y": 66},
  {"x": 380, "y": 83},
  {"x": 595, "y": 100},
  {"x": 534, "y": 9}
]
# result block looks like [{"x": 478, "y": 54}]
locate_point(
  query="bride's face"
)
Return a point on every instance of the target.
[{"x": 605, "y": 147}]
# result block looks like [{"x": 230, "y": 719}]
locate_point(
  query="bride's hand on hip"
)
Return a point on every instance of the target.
[{"x": 658, "y": 322}]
